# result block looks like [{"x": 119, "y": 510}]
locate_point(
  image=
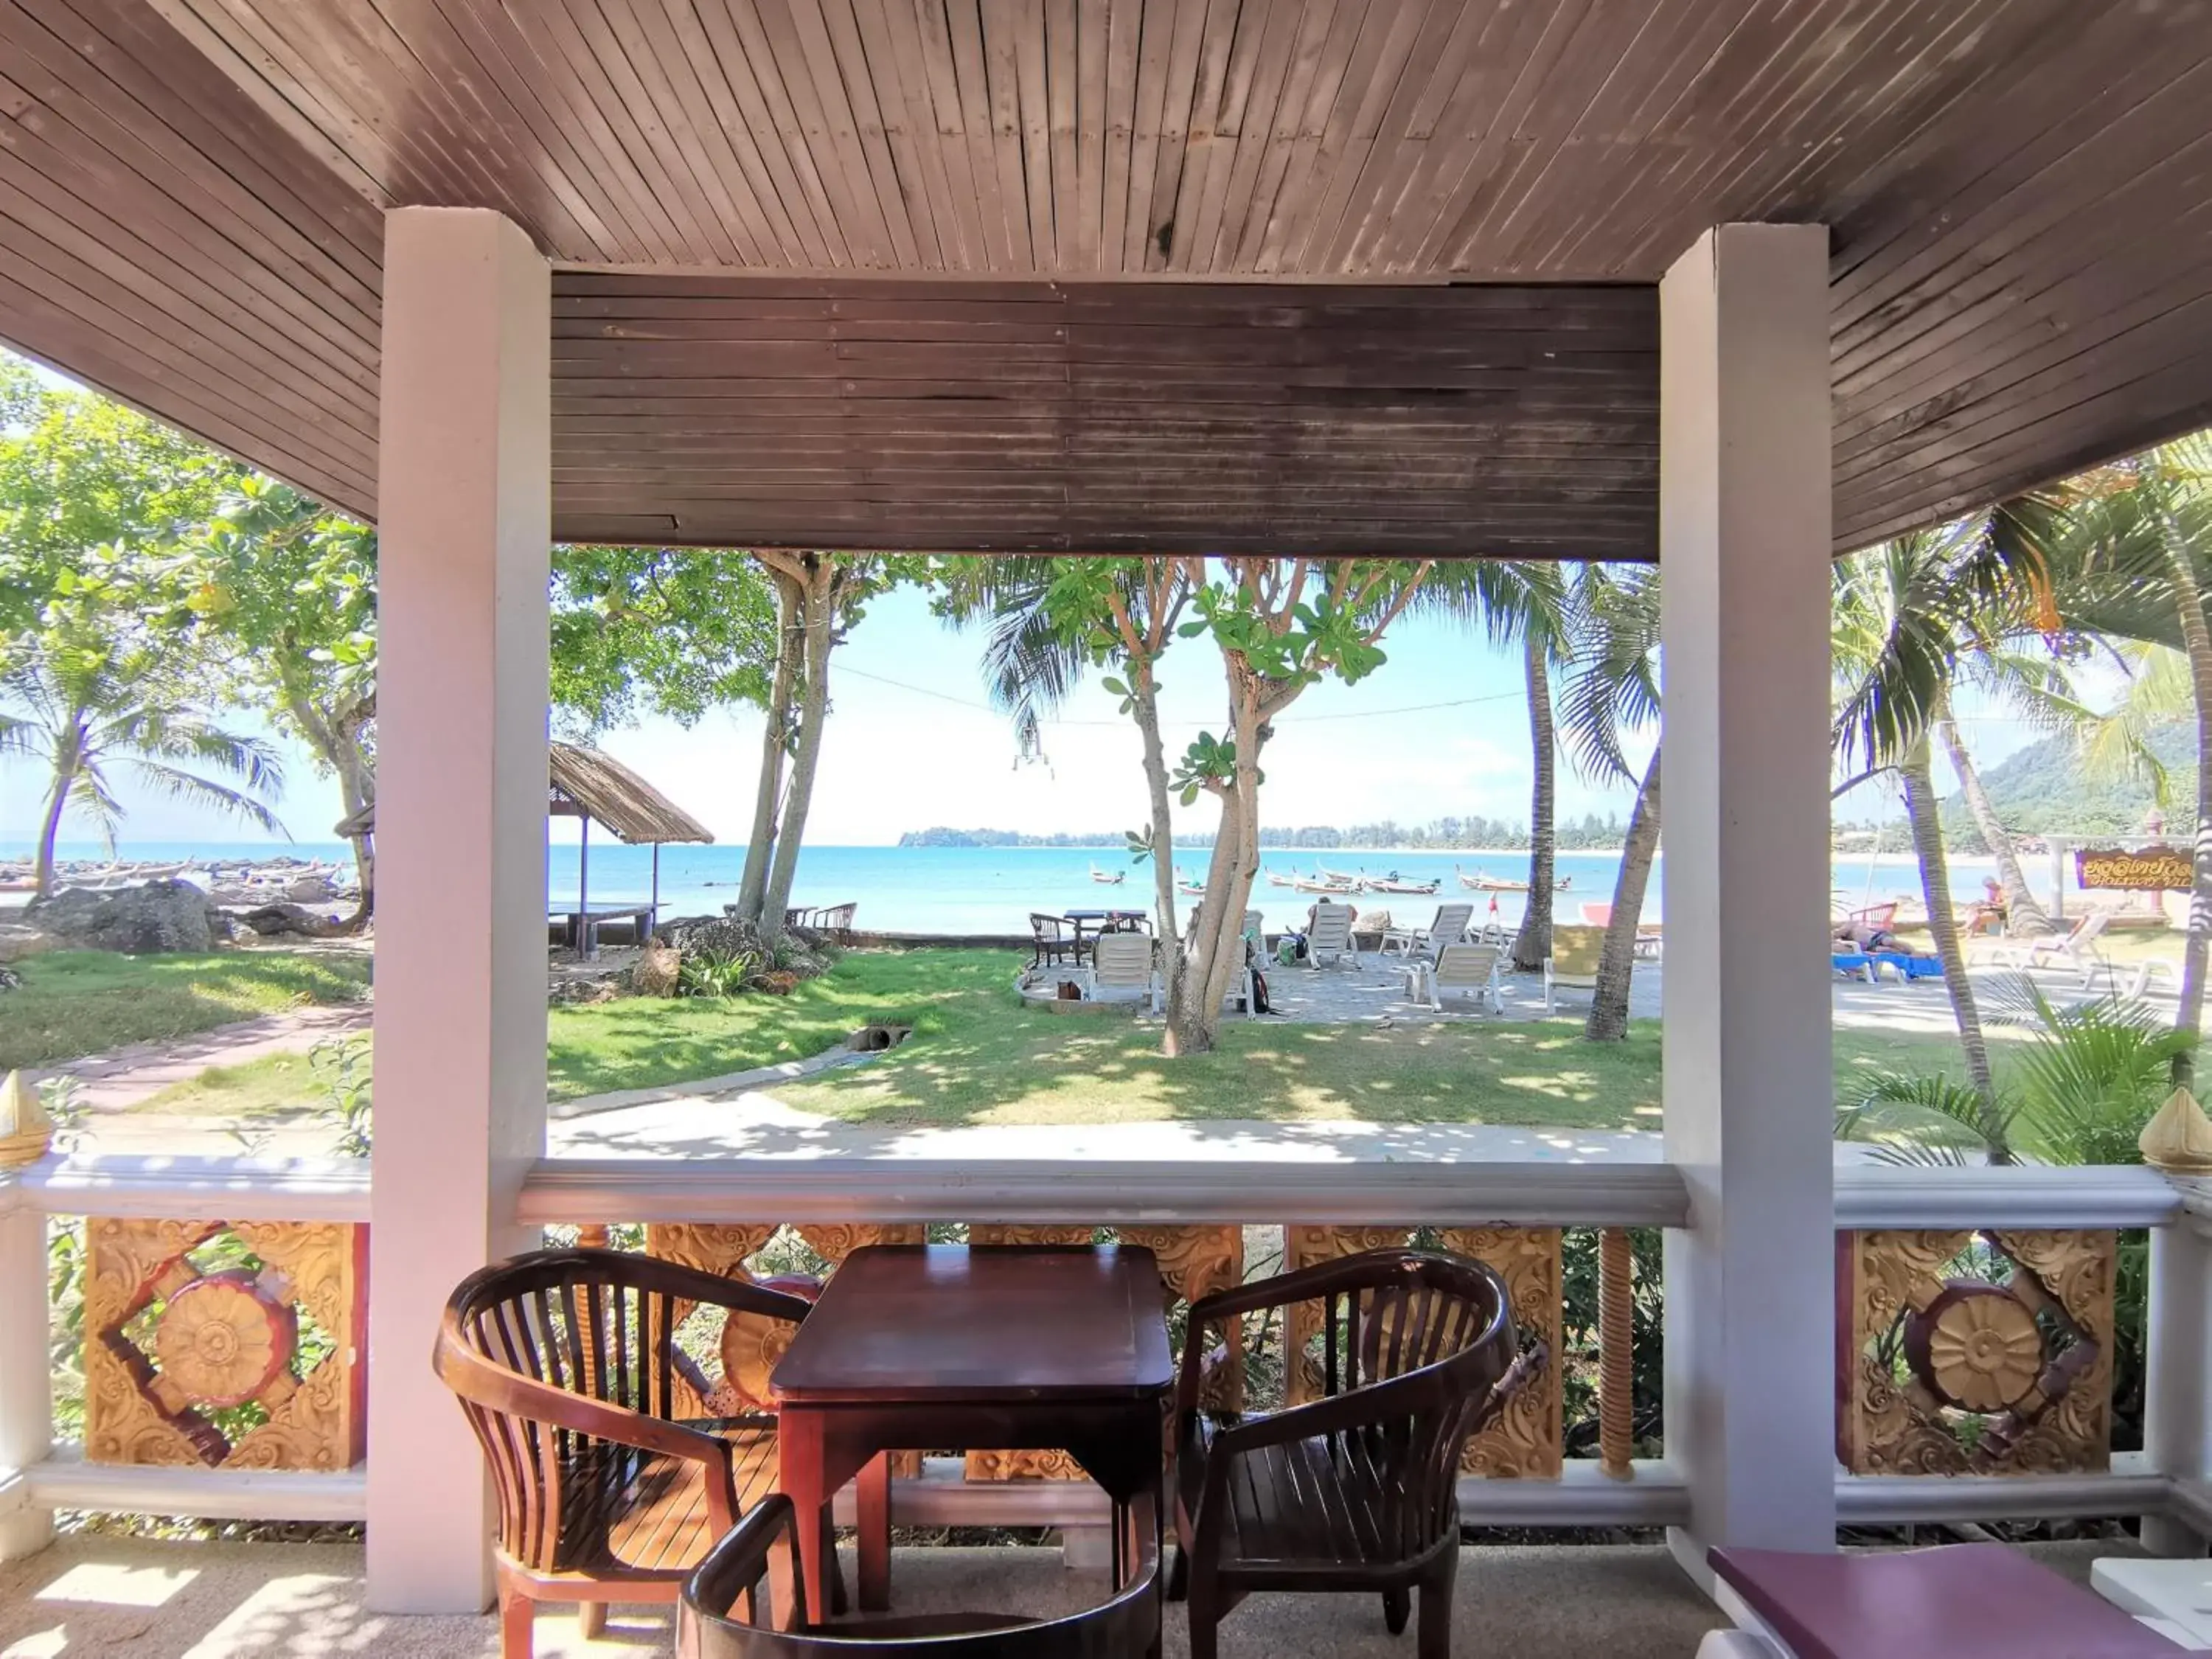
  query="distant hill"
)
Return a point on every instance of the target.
[{"x": 2042, "y": 791}]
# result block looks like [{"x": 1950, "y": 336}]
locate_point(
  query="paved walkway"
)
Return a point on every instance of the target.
[{"x": 121, "y": 1078}]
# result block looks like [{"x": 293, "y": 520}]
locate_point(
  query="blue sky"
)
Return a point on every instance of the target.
[{"x": 913, "y": 743}]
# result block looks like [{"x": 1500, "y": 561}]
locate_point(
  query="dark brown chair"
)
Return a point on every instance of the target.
[
  {"x": 566, "y": 1364},
  {"x": 1358, "y": 1489},
  {"x": 724, "y": 1614},
  {"x": 1049, "y": 942}
]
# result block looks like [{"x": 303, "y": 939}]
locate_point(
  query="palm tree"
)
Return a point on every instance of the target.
[
  {"x": 1523, "y": 603},
  {"x": 88, "y": 705},
  {"x": 1613, "y": 621},
  {"x": 2130, "y": 549},
  {"x": 1913, "y": 618}
]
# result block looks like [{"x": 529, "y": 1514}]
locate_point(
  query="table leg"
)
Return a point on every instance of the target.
[
  {"x": 872, "y": 1493},
  {"x": 799, "y": 1473}
]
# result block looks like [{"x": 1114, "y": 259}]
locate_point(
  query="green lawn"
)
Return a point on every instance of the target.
[
  {"x": 979, "y": 1056},
  {"x": 74, "y": 1003}
]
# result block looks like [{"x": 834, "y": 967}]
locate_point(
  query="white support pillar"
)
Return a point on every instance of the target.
[
  {"x": 465, "y": 529},
  {"x": 26, "y": 1383},
  {"x": 2178, "y": 1373},
  {"x": 1743, "y": 554}
]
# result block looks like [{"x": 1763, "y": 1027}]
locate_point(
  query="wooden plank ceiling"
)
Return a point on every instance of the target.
[
  {"x": 2021, "y": 193},
  {"x": 1516, "y": 421}
]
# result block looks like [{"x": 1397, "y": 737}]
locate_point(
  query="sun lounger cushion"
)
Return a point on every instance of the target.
[
  {"x": 1857, "y": 963},
  {"x": 1911, "y": 967},
  {"x": 1962, "y": 1601}
]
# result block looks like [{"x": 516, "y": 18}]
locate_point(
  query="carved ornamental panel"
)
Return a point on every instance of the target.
[
  {"x": 231, "y": 1345},
  {"x": 1964, "y": 1352}
]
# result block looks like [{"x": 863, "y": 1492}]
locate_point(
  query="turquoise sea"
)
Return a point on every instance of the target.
[{"x": 978, "y": 890}]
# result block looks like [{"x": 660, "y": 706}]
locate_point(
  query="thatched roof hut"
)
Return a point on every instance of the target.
[{"x": 584, "y": 783}]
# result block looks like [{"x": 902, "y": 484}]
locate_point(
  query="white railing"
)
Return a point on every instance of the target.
[{"x": 2168, "y": 1480}]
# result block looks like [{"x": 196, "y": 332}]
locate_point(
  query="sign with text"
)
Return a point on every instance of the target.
[{"x": 2148, "y": 869}]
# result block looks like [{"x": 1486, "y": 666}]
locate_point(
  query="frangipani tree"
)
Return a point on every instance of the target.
[
  {"x": 1280, "y": 626},
  {"x": 292, "y": 587},
  {"x": 1052, "y": 620}
]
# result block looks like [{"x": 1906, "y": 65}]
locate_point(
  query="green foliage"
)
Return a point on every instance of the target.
[
  {"x": 79, "y": 472},
  {"x": 2047, "y": 789},
  {"x": 2078, "y": 1091},
  {"x": 658, "y": 630},
  {"x": 710, "y": 973},
  {"x": 340, "y": 1067},
  {"x": 1209, "y": 763},
  {"x": 291, "y": 586}
]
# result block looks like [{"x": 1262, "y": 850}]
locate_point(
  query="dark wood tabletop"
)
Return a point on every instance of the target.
[
  {"x": 940, "y": 1347},
  {"x": 940, "y": 1322}
]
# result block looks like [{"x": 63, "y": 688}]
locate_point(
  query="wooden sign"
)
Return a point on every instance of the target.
[{"x": 2148, "y": 869}]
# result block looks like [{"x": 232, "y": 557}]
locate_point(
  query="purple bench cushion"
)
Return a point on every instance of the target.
[{"x": 1962, "y": 1601}]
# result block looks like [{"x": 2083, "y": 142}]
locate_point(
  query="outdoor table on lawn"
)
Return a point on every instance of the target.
[
  {"x": 1102, "y": 921},
  {"x": 583, "y": 926},
  {"x": 941, "y": 1347}
]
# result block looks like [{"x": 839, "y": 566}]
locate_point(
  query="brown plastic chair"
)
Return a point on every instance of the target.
[
  {"x": 1358, "y": 1490},
  {"x": 565, "y": 1364},
  {"x": 724, "y": 1615}
]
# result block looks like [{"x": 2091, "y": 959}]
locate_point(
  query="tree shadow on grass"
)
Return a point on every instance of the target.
[{"x": 1031, "y": 1067}]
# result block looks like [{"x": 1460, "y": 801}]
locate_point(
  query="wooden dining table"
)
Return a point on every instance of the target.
[{"x": 941, "y": 1347}]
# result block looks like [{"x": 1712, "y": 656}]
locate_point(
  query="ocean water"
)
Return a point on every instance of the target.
[{"x": 991, "y": 890}]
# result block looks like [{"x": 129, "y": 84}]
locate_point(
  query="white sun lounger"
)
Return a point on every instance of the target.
[
  {"x": 1447, "y": 927},
  {"x": 1467, "y": 970}
]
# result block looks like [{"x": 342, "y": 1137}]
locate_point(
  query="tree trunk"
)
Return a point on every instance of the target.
[
  {"x": 2024, "y": 914},
  {"x": 1616, "y": 962},
  {"x": 1217, "y": 942},
  {"x": 1191, "y": 1029},
  {"x": 2196, "y": 641},
  {"x": 1534, "y": 942},
  {"x": 49, "y": 827},
  {"x": 790, "y": 645},
  {"x": 821, "y": 612},
  {"x": 1145, "y": 692},
  {"x": 336, "y": 740},
  {"x": 1921, "y": 809}
]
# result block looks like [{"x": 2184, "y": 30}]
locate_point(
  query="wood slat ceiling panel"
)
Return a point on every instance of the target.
[
  {"x": 1106, "y": 416},
  {"x": 2021, "y": 193},
  {"x": 163, "y": 238}
]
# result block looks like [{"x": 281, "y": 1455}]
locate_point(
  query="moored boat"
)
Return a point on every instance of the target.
[{"x": 1109, "y": 878}]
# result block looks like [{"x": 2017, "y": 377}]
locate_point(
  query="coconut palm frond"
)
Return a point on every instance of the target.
[
  {"x": 1931, "y": 1120},
  {"x": 189, "y": 787}
]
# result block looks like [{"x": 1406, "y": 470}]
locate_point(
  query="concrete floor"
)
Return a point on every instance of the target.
[{"x": 143, "y": 1599}]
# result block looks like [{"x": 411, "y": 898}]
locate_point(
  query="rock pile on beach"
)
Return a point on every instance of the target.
[{"x": 157, "y": 916}]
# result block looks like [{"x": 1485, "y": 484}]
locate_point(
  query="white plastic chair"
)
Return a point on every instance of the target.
[
  {"x": 1464, "y": 971},
  {"x": 1121, "y": 969}
]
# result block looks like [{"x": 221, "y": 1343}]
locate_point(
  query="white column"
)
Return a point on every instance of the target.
[
  {"x": 464, "y": 540},
  {"x": 27, "y": 1385},
  {"x": 1743, "y": 554},
  {"x": 2178, "y": 1373}
]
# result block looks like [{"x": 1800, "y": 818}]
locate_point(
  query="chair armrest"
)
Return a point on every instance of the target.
[
  {"x": 1299, "y": 1285},
  {"x": 1360, "y": 1408},
  {"x": 742, "y": 1556}
]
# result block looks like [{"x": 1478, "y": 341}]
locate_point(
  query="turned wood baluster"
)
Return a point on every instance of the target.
[{"x": 1616, "y": 1357}]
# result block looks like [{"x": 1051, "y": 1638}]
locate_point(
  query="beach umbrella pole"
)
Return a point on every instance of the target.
[{"x": 584, "y": 889}]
